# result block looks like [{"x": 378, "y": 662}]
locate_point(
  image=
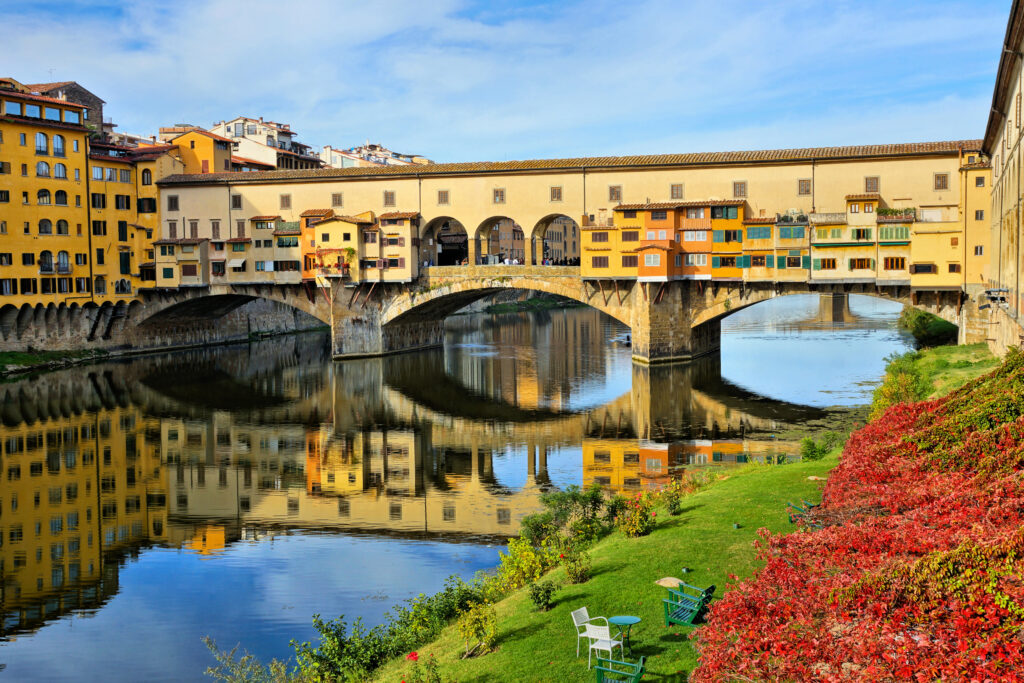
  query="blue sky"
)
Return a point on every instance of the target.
[{"x": 457, "y": 80}]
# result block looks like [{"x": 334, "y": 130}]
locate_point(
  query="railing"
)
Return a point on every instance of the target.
[
  {"x": 46, "y": 270},
  {"x": 599, "y": 222},
  {"x": 334, "y": 271},
  {"x": 828, "y": 218},
  {"x": 64, "y": 269}
]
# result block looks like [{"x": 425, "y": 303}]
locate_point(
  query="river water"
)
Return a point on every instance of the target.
[{"x": 236, "y": 491}]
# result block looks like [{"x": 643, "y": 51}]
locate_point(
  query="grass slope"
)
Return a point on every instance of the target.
[
  {"x": 542, "y": 646},
  {"x": 946, "y": 368}
]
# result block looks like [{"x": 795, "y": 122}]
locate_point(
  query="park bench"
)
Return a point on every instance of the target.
[
  {"x": 802, "y": 512},
  {"x": 612, "y": 670},
  {"x": 686, "y": 605}
]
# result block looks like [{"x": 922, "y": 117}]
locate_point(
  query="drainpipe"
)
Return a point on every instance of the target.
[{"x": 88, "y": 220}]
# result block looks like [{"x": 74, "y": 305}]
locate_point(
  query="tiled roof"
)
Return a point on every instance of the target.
[
  {"x": 287, "y": 231},
  {"x": 238, "y": 240},
  {"x": 43, "y": 87},
  {"x": 654, "y": 160},
  {"x": 355, "y": 220},
  {"x": 680, "y": 205},
  {"x": 759, "y": 220},
  {"x": 976, "y": 164},
  {"x": 246, "y": 161},
  {"x": 208, "y": 134},
  {"x": 399, "y": 214},
  {"x": 316, "y": 212},
  {"x": 863, "y": 195},
  {"x": 264, "y": 219},
  {"x": 40, "y": 98}
]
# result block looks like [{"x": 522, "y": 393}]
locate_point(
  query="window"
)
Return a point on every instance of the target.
[
  {"x": 147, "y": 205},
  {"x": 893, "y": 232},
  {"x": 147, "y": 177},
  {"x": 979, "y": 215},
  {"x": 757, "y": 261},
  {"x": 695, "y": 212},
  {"x": 825, "y": 264},
  {"x": 894, "y": 263},
  {"x": 854, "y": 208},
  {"x": 759, "y": 232},
  {"x": 696, "y": 260},
  {"x": 99, "y": 227},
  {"x": 599, "y": 261},
  {"x": 871, "y": 184},
  {"x": 98, "y": 200},
  {"x": 189, "y": 270},
  {"x": 126, "y": 175},
  {"x": 676, "y": 191},
  {"x": 954, "y": 267},
  {"x": 556, "y": 194},
  {"x": 652, "y": 259},
  {"x": 42, "y": 170},
  {"x": 659, "y": 216},
  {"x": 499, "y": 196},
  {"x": 726, "y": 212},
  {"x": 695, "y": 235},
  {"x": 739, "y": 188},
  {"x": 941, "y": 181},
  {"x": 236, "y": 201},
  {"x": 442, "y": 197},
  {"x": 979, "y": 250},
  {"x": 62, "y": 227},
  {"x": 42, "y": 142},
  {"x": 172, "y": 202},
  {"x": 630, "y": 236},
  {"x": 28, "y": 259},
  {"x": 286, "y": 201},
  {"x": 954, "y": 241},
  {"x": 45, "y": 227},
  {"x": 615, "y": 193},
  {"x": 980, "y": 180},
  {"x": 862, "y": 233},
  {"x": 727, "y": 236},
  {"x": 43, "y": 197},
  {"x": 60, "y": 171},
  {"x": 122, "y": 202},
  {"x": 389, "y": 197},
  {"x": 167, "y": 273},
  {"x": 869, "y": 207},
  {"x": 803, "y": 186},
  {"x": 629, "y": 260},
  {"x": 862, "y": 264},
  {"x": 723, "y": 261},
  {"x": 598, "y": 237},
  {"x": 97, "y": 173},
  {"x": 112, "y": 174}
]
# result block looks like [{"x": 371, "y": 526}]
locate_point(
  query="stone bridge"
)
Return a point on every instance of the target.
[{"x": 669, "y": 321}]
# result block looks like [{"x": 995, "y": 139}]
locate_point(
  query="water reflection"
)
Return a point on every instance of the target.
[{"x": 203, "y": 451}]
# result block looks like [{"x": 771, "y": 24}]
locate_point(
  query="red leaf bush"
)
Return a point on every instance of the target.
[{"x": 918, "y": 573}]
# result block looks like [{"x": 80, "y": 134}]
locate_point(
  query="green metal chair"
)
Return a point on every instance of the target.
[{"x": 612, "y": 670}]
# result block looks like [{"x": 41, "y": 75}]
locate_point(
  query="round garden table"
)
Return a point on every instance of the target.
[{"x": 625, "y": 622}]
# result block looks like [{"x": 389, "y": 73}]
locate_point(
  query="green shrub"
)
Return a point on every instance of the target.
[
  {"x": 478, "y": 627},
  {"x": 541, "y": 593},
  {"x": 638, "y": 518},
  {"x": 523, "y": 564},
  {"x": 672, "y": 496},
  {"x": 814, "y": 450},
  {"x": 577, "y": 564},
  {"x": 903, "y": 382},
  {"x": 928, "y": 329}
]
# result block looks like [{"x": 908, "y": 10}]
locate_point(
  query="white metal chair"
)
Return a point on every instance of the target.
[
  {"x": 601, "y": 639},
  {"x": 580, "y": 618}
]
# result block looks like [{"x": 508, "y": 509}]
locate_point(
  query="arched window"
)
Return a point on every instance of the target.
[
  {"x": 63, "y": 262},
  {"x": 42, "y": 144},
  {"x": 60, "y": 171},
  {"x": 122, "y": 286},
  {"x": 147, "y": 177},
  {"x": 62, "y": 227},
  {"x": 58, "y": 145},
  {"x": 43, "y": 197},
  {"x": 45, "y": 227},
  {"x": 42, "y": 169},
  {"x": 60, "y": 198},
  {"x": 99, "y": 286},
  {"x": 46, "y": 262}
]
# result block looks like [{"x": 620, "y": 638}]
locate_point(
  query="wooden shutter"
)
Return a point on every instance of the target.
[
  {"x": 782, "y": 263},
  {"x": 817, "y": 264},
  {"x": 716, "y": 262},
  {"x": 718, "y": 235},
  {"x": 872, "y": 264},
  {"x": 769, "y": 261},
  {"x": 401, "y": 262},
  {"x": 381, "y": 263},
  {"x": 401, "y": 241}
]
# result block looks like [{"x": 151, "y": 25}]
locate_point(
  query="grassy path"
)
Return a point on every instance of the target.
[{"x": 542, "y": 646}]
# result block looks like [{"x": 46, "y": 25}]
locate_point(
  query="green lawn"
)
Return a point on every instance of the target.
[
  {"x": 542, "y": 646},
  {"x": 38, "y": 357},
  {"x": 946, "y": 368}
]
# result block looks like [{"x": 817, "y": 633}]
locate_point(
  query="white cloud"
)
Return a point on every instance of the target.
[{"x": 456, "y": 81}]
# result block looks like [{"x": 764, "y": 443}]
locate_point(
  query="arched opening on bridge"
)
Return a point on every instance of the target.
[
  {"x": 444, "y": 242},
  {"x": 499, "y": 238},
  {"x": 555, "y": 241}
]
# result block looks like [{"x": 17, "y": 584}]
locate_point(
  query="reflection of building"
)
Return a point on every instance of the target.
[{"x": 78, "y": 493}]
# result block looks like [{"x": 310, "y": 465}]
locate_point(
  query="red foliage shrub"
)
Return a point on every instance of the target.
[{"x": 924, "y": 577}]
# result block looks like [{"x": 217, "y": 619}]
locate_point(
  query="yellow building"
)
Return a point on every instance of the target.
[
  {"x": 608, "y": 252},
  {"x": 975, "y": 205},
  {"x": 45, "y": 245},
  {"x": 204, "y": 152},
  {"x": 727, "y": 239}
]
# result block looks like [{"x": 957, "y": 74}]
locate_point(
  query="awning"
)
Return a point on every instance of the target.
[{"x": 236, "y": 263}]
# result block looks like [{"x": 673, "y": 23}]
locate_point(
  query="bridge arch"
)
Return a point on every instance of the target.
[
  {"x": 501, "y": 237},
  {"x": 444, "y": 241},
  {"x": 556, "y": 237}
]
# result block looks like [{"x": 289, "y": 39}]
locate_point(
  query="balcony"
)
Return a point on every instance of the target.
[
  {"x": 341, "y": 271},
  {"x": 599, "y": 222},
  {"x": 838, "y": 218},
  {"x": 896, "y": 215},
  {"x": 64, "y": 268},
  {"x": 46, "y": 269}
]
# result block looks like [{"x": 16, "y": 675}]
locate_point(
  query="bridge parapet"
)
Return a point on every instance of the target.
[{"x": 437, "y": 274}]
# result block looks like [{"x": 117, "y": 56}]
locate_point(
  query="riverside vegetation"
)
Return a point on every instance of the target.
[{"x": 895, "y": 540}]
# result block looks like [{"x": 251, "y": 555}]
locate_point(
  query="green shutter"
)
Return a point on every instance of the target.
[
  {"x": 716, "y": 261},
  {"x": 733, "y": 212},
  {"x": 718, "y": 235},
  {"x": 769, "y": 261},
  {"x": 806, "y": 262},
  {"x": 849, "y": 264},
  {"x": 872, "y": 264},
  {"x": 782, "y": 262},
  {"x": 739, "y": 235},
  {"x": 817, "y": 264}
]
